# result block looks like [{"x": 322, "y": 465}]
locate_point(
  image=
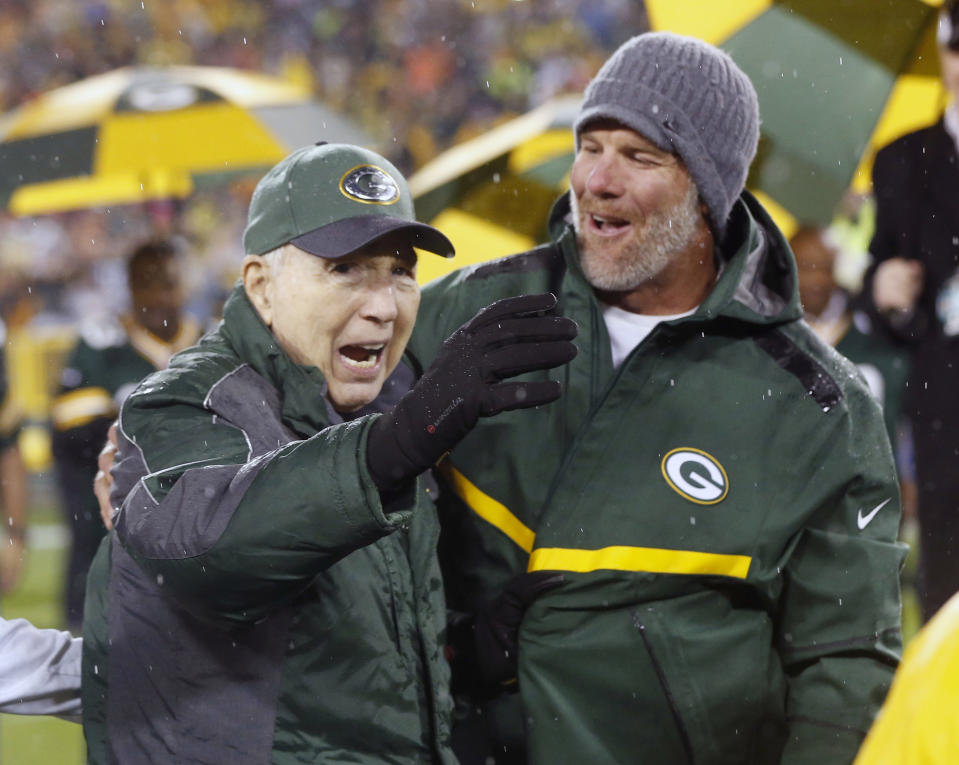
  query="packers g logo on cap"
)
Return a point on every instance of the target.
[
  {"x": 370, "y": 185},
  {"x": 695, "y": 475}
]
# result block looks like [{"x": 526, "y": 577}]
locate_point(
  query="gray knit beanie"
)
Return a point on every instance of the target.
[{"x": 689, "y": 98}]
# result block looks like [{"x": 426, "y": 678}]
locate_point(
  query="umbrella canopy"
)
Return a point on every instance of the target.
[
  {"x": 491, "y": 195},
  {"x": 836, "y": 79},
  {"x": 137, "y": 134}
]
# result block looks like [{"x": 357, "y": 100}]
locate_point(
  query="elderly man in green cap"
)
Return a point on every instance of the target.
[{"x": 270, "y": 592}]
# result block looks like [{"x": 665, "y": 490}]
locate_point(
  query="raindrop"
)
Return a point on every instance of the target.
[
  {"x": 496, "y": 179},
  {"x": 692, "y": 520},
  {"x": 101, "y": 23},
  {"x": 840, "y": 61},
  {"x": 164, "y": 322},
  {"x": 487, "y": 82},
  {"x": 244, "y": 41},
  {"x": 655, "y": 108},
  {"x": 840, "y": 601},
  {"x": 160, "y": 579},
  {"x": 96, "y": 669}
]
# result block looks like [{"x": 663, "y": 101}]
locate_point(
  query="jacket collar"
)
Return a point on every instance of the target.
[{"x": 758, "y": 283}]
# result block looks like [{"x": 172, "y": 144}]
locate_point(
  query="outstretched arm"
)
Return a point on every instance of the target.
[{"x": 39, "y": 670}]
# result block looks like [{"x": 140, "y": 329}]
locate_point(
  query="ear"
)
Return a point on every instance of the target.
[{"x": 258, "y": 283}]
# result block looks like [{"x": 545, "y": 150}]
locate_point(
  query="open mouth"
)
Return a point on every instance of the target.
[
  {"x": 362, "y": 356},
  {"x": 605, "y": 224}
]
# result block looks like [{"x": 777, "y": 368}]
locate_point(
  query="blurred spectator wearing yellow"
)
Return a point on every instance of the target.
[
  {"x": 913, "y": 292},
  {"x": 917, "y": 723},
  {"x": 13, "y": 485},
  {"x": 109, "y": 359}
]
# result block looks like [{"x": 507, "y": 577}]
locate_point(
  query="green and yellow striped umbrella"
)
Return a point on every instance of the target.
[
  {"x": 837, "y": 80},
  {"x": 491, "y": 195},
  {"x": 137, "y": 134}
]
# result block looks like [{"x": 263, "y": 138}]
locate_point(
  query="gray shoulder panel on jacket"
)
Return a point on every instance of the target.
[
  {"x": 203, "y": 496},
  {"x": 244, "y": 399}
]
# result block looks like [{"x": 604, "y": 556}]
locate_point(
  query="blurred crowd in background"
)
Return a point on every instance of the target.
[{"x": 419, "y": 76}]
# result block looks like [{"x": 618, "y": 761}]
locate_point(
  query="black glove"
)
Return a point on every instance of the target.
[
  {"x": 508, "y": 338},
  {"x": 497, "y": 626}
]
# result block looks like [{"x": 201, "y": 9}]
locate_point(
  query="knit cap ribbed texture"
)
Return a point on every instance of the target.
[{"x": 689, "y": 98}]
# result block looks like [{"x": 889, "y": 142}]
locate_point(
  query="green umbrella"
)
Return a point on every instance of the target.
[{"x": 836, "y": 79}]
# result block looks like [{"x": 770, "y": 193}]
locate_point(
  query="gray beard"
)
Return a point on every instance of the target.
[{"x": 666, "y": 235}]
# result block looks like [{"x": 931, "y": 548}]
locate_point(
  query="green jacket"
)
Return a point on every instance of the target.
[
  {"x": 724, "y": 506},
  {"x": 256, "y": 603}
]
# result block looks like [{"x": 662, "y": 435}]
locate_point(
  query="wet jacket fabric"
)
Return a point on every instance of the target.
[
  {"x": 256, "y": 603},
  {"x": 724, "y": 508}
]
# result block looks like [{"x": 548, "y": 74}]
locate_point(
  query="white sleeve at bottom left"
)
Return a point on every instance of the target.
[{"x": 39, "y": 670}]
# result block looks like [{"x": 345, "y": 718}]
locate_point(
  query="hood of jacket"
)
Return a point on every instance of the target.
[{"x": 758, "y": 284}]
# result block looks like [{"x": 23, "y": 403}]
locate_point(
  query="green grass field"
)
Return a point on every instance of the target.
[
  {"x": 47, "y": 741},
  {"x": 40, "y": 740}
]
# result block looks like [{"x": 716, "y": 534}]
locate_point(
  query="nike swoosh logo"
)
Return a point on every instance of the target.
[{"x": 863, "y": 520}]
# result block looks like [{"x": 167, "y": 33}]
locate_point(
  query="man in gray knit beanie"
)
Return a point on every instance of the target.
[
  {"x": 693, "y": 115},
  {"x": 692, "y": 557},
  {"x": 688, "y": 98}
]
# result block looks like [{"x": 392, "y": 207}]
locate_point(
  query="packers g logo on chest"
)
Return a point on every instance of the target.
[{"x": 695, "y": 475}]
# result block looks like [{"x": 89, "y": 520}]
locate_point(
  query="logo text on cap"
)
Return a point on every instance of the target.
[{"x": 370, "y": 185}]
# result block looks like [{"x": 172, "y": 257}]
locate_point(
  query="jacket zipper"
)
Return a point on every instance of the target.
[{"x": 681, "y": 727}]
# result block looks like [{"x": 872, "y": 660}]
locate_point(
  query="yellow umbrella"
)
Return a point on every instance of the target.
[
  {"x": 141, "y": 133},
  {"x": 491, "y": 195}
]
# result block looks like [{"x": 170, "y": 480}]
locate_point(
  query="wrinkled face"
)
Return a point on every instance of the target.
[
  {"x": 949, "y": 67},
  {"x": 635, "y": 207},
  {"x": 351, "y": 317}
]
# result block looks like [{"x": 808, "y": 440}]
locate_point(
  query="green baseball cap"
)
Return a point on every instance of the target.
[{"x": 331, "y": 199}]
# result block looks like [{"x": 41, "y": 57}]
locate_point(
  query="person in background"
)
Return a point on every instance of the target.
[
  {"x": 691, "y": 556},
  {"x": 830, "y": 311},
  {"x": 912, "y": 292},
  {"x": 270, "y": 591},
  {"x": 14, "y": 484},
  {"x": 104, "y": 366}
]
